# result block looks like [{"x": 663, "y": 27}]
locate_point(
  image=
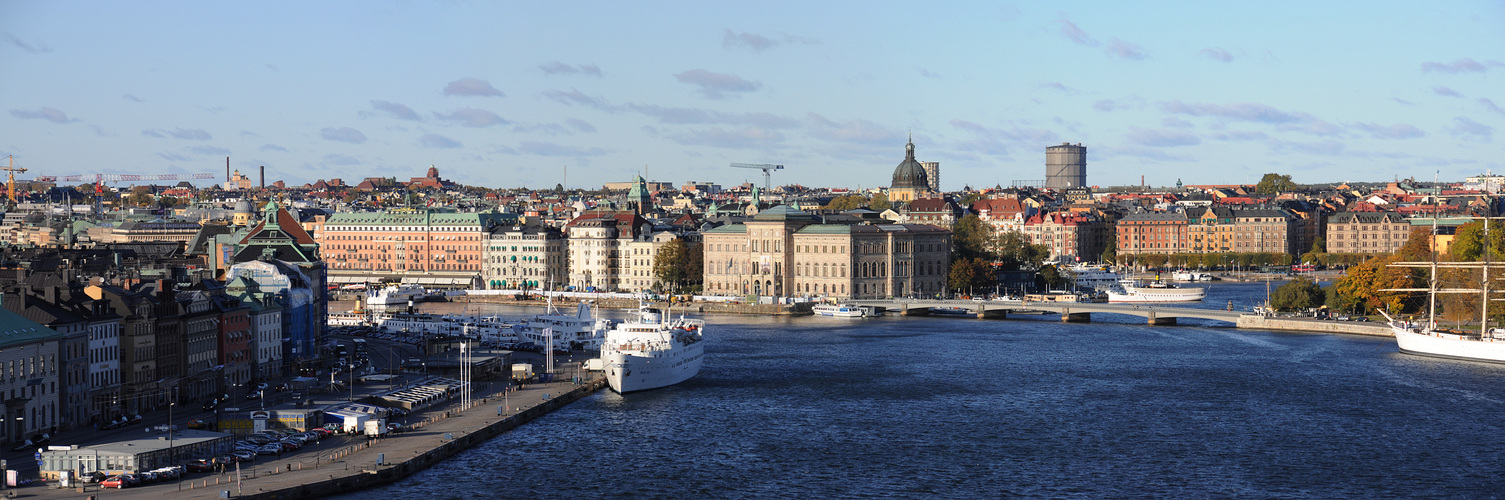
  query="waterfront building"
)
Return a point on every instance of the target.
[
  {"x": 524, "y": 255},
  {"x": 909, "y": 181},
  {"x": 1265, "y": 230},
  {"x": 1367, "y": 232},
  {"x": 599, "y": 247},
  {"x": 786, "y": 252},
  {"x": 641, "y": 255},
  {"x": 1152, "y": 233},
  {"x": 1210, "y": 230},
  {"x": 433, "y": 248},
  {"x": 1071, "y": 237}
]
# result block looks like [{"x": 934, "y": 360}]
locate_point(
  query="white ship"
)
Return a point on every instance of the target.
[
  {"x": 1095, "y": 277},
  {"x": 580, "y": 329},
  {"x": 393, "y": 295},
  {"x": 1184, "y": 275},
  {"x": 1429, "y": 340},
  {"x": 846, "y": 311},
  {"x": 651, "y": 352},
  {"x": 1156, "y": 291}
]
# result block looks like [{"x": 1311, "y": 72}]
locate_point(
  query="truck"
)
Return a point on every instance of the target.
[
  {"x": 522, "y": 371},
  {"x": 376, "y": 427}
]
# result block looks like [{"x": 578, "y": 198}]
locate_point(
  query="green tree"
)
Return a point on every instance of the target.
[
  {"x": 1110, "y": 255},
  {"x": 671, "y": 265},
  {"x": 1014, "y": 251},
  {"x": 1274, "y": 184},
  {"x": 972, "y": 237},
  {"x": 140, "y": 199},
  {"x": 1298, "y": 294},
  {"x": 971, "y": 274},
  {"x": 1051, "y": 277},
  {"x": 1319, "y": 245},
  {"x": 879, "y": 202},
  {"x": 846, "y": 202}
]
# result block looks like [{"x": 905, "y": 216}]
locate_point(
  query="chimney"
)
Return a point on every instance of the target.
[{"x": 263, "y": 178}]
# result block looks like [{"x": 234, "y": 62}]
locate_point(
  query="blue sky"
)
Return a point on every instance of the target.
[{"x": 510, "y": 94}]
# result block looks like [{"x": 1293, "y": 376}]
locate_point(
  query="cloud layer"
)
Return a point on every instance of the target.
[
  {"x": 716, "y": 85},
  {"x": 471, "y": 87}
]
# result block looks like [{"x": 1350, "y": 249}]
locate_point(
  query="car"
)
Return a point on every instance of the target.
[
  {"x": 198, "y": 424},
  {"x": 252, "y": 396},
  {"x": 132, "y": 479},
  {"x": 200, "y": 465},
  {"x": 271, "y": 449},
  {"x": 92, "y": 477},
  {"x": 258, "y": 440},
  {"x": 244, "y": 455},
  {"x": 260, "y": 386},
  {"x": 147, "y": 477},
  {"x": 288, "y": 445},
  {"x": 117, "y": 482},
  {"x": 396, "y": 428},
  {"x": 210, "y": 405},
  {"x": 135, "y": 419}
]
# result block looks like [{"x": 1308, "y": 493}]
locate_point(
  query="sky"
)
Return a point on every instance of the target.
[{"x": 534, "y": 94}]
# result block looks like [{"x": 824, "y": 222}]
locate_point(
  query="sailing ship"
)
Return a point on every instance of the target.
[{"x": 1428, "y": 339}]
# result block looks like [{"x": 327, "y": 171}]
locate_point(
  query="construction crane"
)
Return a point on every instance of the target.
[
  {"x": 10, "y": 180},
  {"x": 99, "y": 181},
  {"x": 767, "y": 172}
]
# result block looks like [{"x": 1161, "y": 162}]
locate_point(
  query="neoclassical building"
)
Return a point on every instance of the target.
[{"x": 786, "y": 252}]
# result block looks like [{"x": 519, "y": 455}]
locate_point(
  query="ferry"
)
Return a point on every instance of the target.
[
  {"x": 846, "y": 311},
  {"x": 1184, "y": 275},
  {"x": 1093, "y": 276},
  {"x": 581, "y": 329},
  {"x": 652, "y": 352},
  {"x": 393, "y": 295},
  {"x": 1155, "y": 291}
]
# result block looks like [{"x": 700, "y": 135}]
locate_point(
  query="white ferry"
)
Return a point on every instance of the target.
[
  {"x": 1093, "y": 276},
  {"x": 1156, "y": 291},
  {"x": 1184, "y": 275},
  {"x": 846, "y": 311},
  {"x": 580, "y": 329},
  {"x": 393, "y": 295},
  {"x": 651, "y": 352}
]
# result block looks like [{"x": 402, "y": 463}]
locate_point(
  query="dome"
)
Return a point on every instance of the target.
[
  {"x": 243, "y": 206},
  {"x": 910, "y": 174}
]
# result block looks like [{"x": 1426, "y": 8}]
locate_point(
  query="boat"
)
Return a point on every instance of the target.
[
  {"x": 845, "y": 311},
  {"x": 1093, "y": 276},
  {"x": 650, "y": 351},
  {"x": 1155, "y": 291},
  {"x": 951, "y": 311},
  {"x": 579, "y": 330},
  {"x": 1184, "y": 275},
  {"x": 1427, "y": 339},
  {"x": 393, "y": 295}
]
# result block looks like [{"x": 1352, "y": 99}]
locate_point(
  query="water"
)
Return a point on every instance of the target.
[{"x": 959, "y": 408}]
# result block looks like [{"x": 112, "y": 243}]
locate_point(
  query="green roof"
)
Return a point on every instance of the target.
[
  {"x": 18, "y": 331},
  {"x": 825, "y": 229},
  {"x": 728, "y": 228}
]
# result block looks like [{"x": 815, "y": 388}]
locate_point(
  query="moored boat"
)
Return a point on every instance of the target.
[
  {"x": 651, "y": 351},
  {"x": 844, "y": 310},
  {"x": 1156, "y": 291}
]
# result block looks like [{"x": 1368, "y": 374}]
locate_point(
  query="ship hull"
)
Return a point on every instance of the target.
[
  {"x": 1451, "y": 346},
  {"x": 627, "y": 372},
  {"x": 1158, "y": 295}
]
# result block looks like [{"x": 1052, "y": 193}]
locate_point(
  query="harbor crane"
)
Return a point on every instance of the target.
[
  {"x": 767, "y": 172},
  {"x": 10, "y": 180}
]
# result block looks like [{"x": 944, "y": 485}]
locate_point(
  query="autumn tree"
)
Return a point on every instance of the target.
[
  {"x": 879, "y": 202},
  {"x": 972, "y": 238},
  {"x": 846, "y": 202},
  {"x": 671, "y": 266},
  {"x": 971, "y": 274},
  {"x": 1014, "y": 251}
]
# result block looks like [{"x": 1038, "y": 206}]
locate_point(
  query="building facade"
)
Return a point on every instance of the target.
[
  {"x": 524, "y": 256},
  {"x": 1367, "y": 232}
]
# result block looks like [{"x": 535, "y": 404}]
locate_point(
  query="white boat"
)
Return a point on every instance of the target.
[
  {"x": 1156, "y": 291},
  {"x": 1430, "y": 340},
  {"x": 845, "y": 311},
  {"x": 1095, "y": 277},
  {"x": 1184, "y": 275},
  {"x": 650, "y": 351},
  {"x": 581, "y": 329},
  {"x": 393, "y": 295}
]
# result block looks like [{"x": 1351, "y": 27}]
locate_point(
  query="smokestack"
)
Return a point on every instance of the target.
[
  {"x": 227, "y": 169},
  {"x": 263, "y": 177}
]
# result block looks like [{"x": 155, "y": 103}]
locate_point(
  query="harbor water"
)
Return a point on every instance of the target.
[{"x": 1028, "y": 406}]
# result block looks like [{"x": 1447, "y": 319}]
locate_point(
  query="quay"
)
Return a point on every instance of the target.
[
  {"x": 361, "y": 464},
  {"x": 1154, "y": 314}
]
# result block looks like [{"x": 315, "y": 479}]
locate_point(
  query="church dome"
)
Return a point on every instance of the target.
[
  {"x": 243, "y": 206},
  {"x": 910, "y": 174}
]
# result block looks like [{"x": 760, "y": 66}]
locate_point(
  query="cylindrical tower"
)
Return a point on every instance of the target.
[{"x": 1065, "y": 166}]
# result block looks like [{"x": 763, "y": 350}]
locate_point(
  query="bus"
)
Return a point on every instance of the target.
[{"x": 359, "y": 347}]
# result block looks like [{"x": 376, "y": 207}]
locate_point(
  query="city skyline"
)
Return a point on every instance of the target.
[{"x": 508, "y": 95}]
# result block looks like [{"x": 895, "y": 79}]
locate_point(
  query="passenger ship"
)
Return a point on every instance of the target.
[
  {"x": 580, "y": 329},
  {"x": 1156, "y": 291},
  {"x": 652, "y": 352},
  {"x": 394, "y": 295},
  {"x": 846, "y": 311}
]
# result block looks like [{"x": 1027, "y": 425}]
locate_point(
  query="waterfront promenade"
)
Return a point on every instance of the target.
[{"x": 353, "y": 466}]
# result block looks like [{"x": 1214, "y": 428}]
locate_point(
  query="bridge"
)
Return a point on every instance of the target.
[{"x": 1071, "y": 312}]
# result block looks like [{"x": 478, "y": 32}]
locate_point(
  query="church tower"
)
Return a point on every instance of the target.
[{"x": 910, "y": 181}]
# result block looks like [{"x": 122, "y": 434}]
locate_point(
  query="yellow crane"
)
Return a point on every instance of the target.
[{"x": 10, "y": 181}]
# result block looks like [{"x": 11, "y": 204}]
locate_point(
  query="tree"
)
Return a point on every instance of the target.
[
  {"x": 846, "y": 202},
  {"x": 879, "y": 202},
  {"x": 970, "y": 274},
  {"x": 973, "y": 238},
  {"x": 1051, "y": 277},
  {"x": 1014, "y": 251},
  {"x": 559, "y": 188},
  {"x": 669, "y": 264},
  {"x": 1319, "y": 245},
  {"x": 1301, "y": 293},
  {"x": 140, "y": 199},
  {"x": 1110, "y": 255},
  {"x": 1274, "y": 184}
]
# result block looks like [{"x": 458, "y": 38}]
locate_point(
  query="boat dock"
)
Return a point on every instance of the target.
[{"x": 365, "y": 465}]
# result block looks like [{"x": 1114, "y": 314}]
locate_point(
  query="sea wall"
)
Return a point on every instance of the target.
[
  {"x": 799, "y": 309},
  {"x": 1313, "y": 325}
]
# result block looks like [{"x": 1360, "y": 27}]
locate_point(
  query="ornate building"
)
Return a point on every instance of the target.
[{"x": 910, "y": 181}]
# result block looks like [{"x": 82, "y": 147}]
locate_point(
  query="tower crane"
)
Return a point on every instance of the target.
[
  {"x": 767, "y": 172},
  {"x": 10, "y": 180},
  {"x": 99, "y": 181}
]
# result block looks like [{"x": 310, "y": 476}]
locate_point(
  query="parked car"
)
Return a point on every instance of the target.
[
  {"x": 132, "y": 479},
  {"x": 244, "y": 455},
  {"x": 117, "y": 482},
  {"x": 200, "y": 465},
  {"x": 198, "y": 424},
  {"x": 271, "y": 449}
]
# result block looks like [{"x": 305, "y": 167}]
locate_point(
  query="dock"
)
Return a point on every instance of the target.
[{"x": 1153, "y": 313}]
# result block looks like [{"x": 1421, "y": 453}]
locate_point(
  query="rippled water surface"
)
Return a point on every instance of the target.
[{"x": 908, "y": 407}]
